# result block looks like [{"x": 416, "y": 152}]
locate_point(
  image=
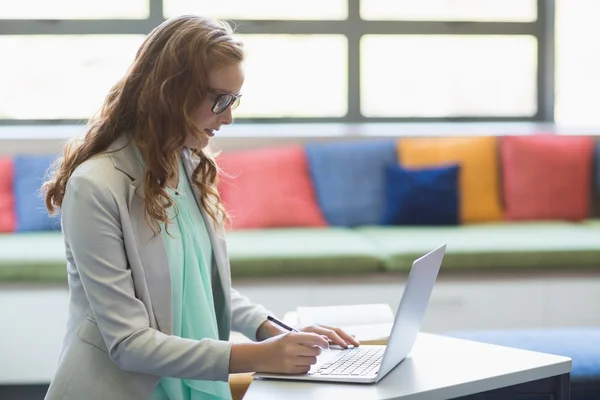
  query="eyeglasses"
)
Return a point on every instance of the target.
[{"x": 224, "y": 100}]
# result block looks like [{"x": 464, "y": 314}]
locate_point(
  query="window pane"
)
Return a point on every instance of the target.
[
  {"x": 260, "y": 9},
  {"x": 75, "y": 9},
  {"x": 438, "y": 76},
  {"x": 61, "y": 77},
  {"x": 577, "y": 63},
  {"x": 450, "y": 10},
  {"x": 295, "y": 76}
]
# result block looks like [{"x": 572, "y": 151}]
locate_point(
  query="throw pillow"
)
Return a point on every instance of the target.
[
  {"x": 30, "y": 172},
  {"x": 7, "y": 200},
  {"x": 480, "y": 199},
  {"x": 349, "y": 179},
  {"x": 269, "y": 187},
  {"x": 547, "y": 176},
  {"x": 425, "y": 196}
]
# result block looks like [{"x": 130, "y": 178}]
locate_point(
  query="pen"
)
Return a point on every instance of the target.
[
  {"x": 287, "y": 327},
  {"x": 281, "y": 324}
]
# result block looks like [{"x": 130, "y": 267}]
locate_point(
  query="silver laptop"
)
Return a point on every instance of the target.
[{"x": 369, "y": 364}]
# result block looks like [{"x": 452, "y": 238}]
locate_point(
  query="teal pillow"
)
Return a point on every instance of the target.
[{"x": 423, "y": 196}]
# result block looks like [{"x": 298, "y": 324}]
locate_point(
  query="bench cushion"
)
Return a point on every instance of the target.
[
  {"x": 318, "y": 251},
  {"x": 38, "y": 256},
  {"x": 493, "y": 245},
  {"x": 276, "y": 252},
  {"x": 301, "y": 251}
]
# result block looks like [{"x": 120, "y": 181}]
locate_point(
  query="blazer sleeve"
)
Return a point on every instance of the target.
[
  {"x": 245, "y": 316},
  {"x": 93, "y": 231}
]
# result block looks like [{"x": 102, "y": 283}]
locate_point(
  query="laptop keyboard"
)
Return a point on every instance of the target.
[{"x": 358, "y": 361}]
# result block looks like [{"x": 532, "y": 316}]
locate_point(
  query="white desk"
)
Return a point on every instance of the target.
[{"x": 439, "y": 368}]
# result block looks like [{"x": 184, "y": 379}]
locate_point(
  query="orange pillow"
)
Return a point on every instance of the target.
[
  {"x": 478, "y": 160},
  {"x": 269, "y": 187},
  {"x": 7, "y": 199},
  {"x": 547, "y": 176}
]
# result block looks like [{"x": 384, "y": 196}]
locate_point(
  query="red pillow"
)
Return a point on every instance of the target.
[
  {"x": 547, "y": 177},
  {"x": 270, "y": 187},
  {"x": 7, "y": 199}
]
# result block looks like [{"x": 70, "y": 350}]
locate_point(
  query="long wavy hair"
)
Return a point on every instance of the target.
[{"x": 154, "y": 103}]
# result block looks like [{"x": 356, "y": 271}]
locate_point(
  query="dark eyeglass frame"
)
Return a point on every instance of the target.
[{"x": 233, "y": 102}]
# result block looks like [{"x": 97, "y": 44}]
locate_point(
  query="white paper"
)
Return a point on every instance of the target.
[
  {"x": 369, "y": 332},
  {"x": 346, "y": 315}
]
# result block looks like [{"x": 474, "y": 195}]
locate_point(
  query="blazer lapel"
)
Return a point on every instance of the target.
[
  {"x": 155, "y": 262},
  {"x": 220, "y": 268},
  {"x": 152, "y": 251},
  {"x": 150, "y": 246}
]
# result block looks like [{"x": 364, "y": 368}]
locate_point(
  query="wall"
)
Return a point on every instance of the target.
[{"x": 34, "y": 317}]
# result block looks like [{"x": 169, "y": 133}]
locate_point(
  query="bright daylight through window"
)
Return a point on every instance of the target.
[{"x": 324, "y": 60}]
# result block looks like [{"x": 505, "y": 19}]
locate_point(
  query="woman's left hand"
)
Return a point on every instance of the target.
[{"x": 335, "y": 335}]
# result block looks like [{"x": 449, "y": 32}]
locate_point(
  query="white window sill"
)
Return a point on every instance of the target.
[{"x": 50, "y": 138}]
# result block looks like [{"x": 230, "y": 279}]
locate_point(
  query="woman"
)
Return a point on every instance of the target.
[{"x": 151, "y": 303}]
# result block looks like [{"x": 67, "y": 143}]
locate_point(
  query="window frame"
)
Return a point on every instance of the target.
[{"x": 543, "y": 29}]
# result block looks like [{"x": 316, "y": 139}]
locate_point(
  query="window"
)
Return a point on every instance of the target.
[
  {"x": 450, "y": 10},
  {"x": 315, "y": 60},
  {"x": 75, "y": 9},
  {"x": 61, "y": 76},
  {"x": 260, "y": 9},
  {"x": 294, "y": 76},
  {"x": 577, "y": 63},
  {"x": 448, "y": 76}
]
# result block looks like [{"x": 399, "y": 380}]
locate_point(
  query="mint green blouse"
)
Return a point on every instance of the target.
[{"x": 189, "y": 251}]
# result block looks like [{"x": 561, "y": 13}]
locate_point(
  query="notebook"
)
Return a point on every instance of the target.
[{"x": 370, "y": 323}]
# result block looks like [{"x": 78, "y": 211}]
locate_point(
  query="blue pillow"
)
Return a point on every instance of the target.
[
  {"x": 424, "y": 196},
  {"x": 31, "y": 213},
  {"x": 349, "y": 179}
]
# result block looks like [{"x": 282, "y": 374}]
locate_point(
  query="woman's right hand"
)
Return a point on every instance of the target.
[{"x": 290, "y": 353}]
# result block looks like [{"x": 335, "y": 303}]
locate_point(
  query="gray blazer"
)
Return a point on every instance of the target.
[{"x": 119, "y": 338}]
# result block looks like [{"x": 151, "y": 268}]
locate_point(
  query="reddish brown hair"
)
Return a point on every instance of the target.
[{"x": 154, "y": 103}]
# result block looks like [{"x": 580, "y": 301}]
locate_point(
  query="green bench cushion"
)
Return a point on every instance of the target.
[
  {"x": 277, "y": 252},
  {"x": 329, "y": 251},
  {"x": 494, "y": 245},
  {"x": 310, "y": 251},
  {"x": 38, "y": 256},
  {"x": 593, "y": 222}
]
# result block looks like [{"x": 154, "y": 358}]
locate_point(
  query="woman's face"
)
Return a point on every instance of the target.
[{"x": 224, "y": 80}]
